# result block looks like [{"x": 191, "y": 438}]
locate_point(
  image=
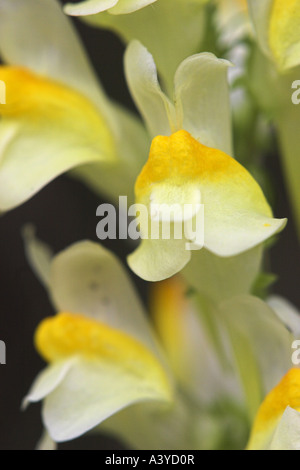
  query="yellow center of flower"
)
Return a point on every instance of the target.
[
  {"x": 286, "y": 393},
  {"x": 69, "y": 334},
  {"x": 284, "y": 32},
  {"x": 181, "y": 160}
]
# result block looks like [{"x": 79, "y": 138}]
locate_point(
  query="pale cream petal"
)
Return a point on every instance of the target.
[
  {"x": 202, "y": 100},
  {"x": 94, "y": 390},
  {"x": 260, "y": 12},
  {"x": 220, "y": 278},
  {"x": 89, "y": 7},
  {"x": 87, "y": 279},
  {"x": 287, "y": 312},
  {"x": 155, "y": 260},
  {"x": 39, "y": 255},
  {"x": 268, "y": 357},
  {"x": 287, "y": 434},
  {"x": 47, "y": 381},
  {"x": 153, "y": 104}
]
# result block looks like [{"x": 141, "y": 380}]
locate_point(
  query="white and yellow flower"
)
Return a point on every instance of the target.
[
  {"x": 277, "y": 25},
  {"x": 108, "y": 370},
  {"x": 56, "y": 116},
  {"x": 101, "y": 351},
  {"x": 190, "y": 162}
]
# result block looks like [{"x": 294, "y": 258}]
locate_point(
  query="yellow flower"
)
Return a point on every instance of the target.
[
  {"x": 190, "y": 164},
  {"x": 56, "y": 116},
  {"x": 277, "y": 24},
  {"x": 103, "y": 358}
]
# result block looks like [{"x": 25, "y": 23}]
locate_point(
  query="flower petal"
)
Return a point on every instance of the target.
[
  {"x": 287, "y": 312},
  {"x": 202, "y": 100},
  {"x": 270, "y": 413},
  {"x": 53, "y": 49},
  {"x": 93, "y": 390},
  {"x": 47, "y": 381},
  {"x": 172, "y": 20},
  {"x": 39, "y": 255},
  {"x": 220, "y": 278},
  {"x": 200, "y": 86},
  {"x": 176, "y": 428},
  {"x": 107, "y": 368},
  {"x": 70, "y": 334},
  {"x": 46, "y": 443},
  {"x": 141, "y": 75},
  {"x": 46, "y": 129},
  {"x": 236, "y": 214},
  {"x": 284, "y": 36},
  {"x": 89, "y": 7},
  {"x": 87, "y": 279},
  {"x": 233, "y": 229},
  {"x": 277, "y": 27},
  {"x": 260, "y": 14},
  {"x": 232, "y": 21},
  {"x": 132, "y": 145},
  {"x": 163, "y": 207},
  {"x": 287, "y": 434},
  {"x": 129, "y": 6},
  {"x": 156, "y": 260},
  {"x": 246, "y": 319},
  {"x": 115, "y": 7},
  {"x": 37, "y": 35}
]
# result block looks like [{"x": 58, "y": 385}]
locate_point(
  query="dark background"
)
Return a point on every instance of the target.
[{"x": 64, "y": 212}]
